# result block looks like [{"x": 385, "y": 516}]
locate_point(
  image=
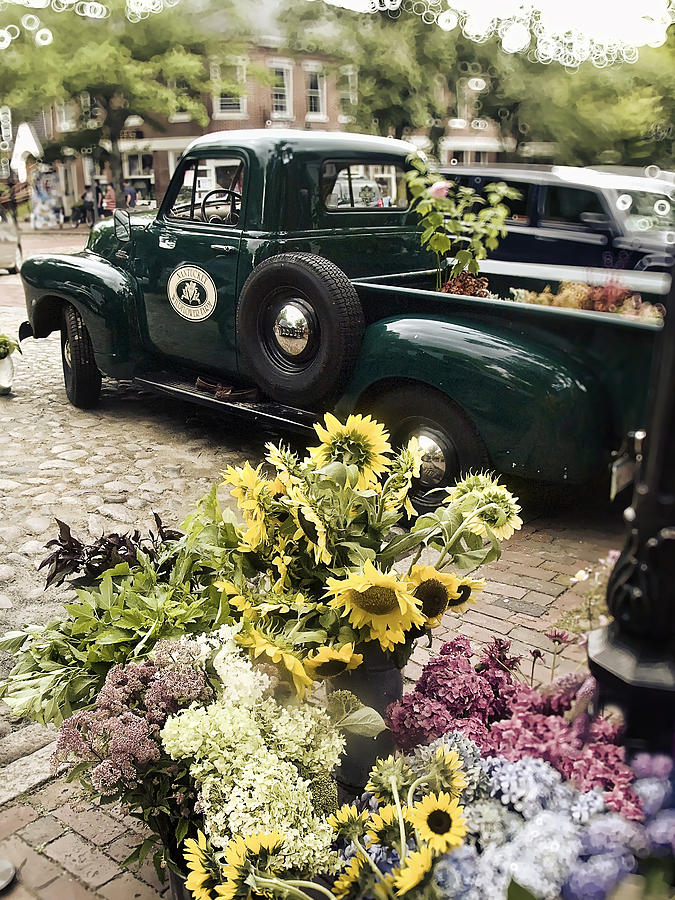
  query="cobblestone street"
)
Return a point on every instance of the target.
[{"x": 109, "y": 470}]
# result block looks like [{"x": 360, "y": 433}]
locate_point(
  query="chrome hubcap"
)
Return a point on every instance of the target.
[
  {"x": 292, "y": 329},
  {"x": 67, "y": 355},
  {"x": 433, "y": 467}
]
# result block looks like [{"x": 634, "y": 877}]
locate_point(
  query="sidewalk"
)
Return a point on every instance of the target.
[{"x": 66, "y": 849}]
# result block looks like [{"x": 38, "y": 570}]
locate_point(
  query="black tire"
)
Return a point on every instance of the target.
[
  {"x": 80, "y": 372},
  {"x": 319, "y": 293},
  {"x": 421, "y": 411}
]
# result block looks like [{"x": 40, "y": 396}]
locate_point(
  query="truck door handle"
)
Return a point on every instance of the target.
[
  {"x": 224, "y": 248},
  {"x": 166, "y": 242}
]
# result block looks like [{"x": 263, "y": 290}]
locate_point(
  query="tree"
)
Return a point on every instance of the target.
[
  {"x": 153, "y": 68},
  {"x": 402, "y": 63}
]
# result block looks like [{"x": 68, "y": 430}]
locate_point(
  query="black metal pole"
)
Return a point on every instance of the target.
[{"x": 633, "y": 658}]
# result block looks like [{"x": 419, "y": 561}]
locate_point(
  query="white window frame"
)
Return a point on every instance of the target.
[
  {"x": 351, "y": 93},
  {"x": 310, "y": 67},
  {"x": 241, "y": 113},
  {"x": 125, "y": 165},
  {"x": 65, "y": 120},
  {"x": 287, "y": 66}
]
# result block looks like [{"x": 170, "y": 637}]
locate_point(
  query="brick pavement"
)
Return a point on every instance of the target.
[{"x": 67, "y": 849}]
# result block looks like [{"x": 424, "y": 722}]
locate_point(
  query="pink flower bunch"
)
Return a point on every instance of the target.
[
  {"x": 120, "y": 735},
  {"x": 512, "y": 720}
]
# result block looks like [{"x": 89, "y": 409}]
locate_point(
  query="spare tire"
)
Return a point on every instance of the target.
[{"x": 299, "y": 329}]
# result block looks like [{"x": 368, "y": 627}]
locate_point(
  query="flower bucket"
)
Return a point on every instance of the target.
[
  {"x": 6, "y": 374},
  {"x": 377, "y": 682},
  {"x": 178, "y": 891}
]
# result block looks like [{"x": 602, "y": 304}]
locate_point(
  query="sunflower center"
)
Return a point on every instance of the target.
[
  {"x": 377, "y": 600},
  {"x": 464, "y": 591},
  {"x": 439, "y": 821},
  {"x": 330, "y": 667},
  {"x": 434, "y": 597}
]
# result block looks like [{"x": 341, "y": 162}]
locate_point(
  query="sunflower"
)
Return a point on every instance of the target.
[
  {"x": 281, "y": 563},
  {"x": 285, "y": 462},
  {"x": 348, "y": 880},
  {"x": 360, "y": 442},
  {"x": 439, "y": 822},
  {"x": 447, "y": 766},
  {"x": 379, "y": 779},
  {"x": 310, "y": 525},
  {"x": 348, "y": 822},
  {"x": 435, "y": 590},
  {"x": 465, "y": 590},
  {"x": 250, "y": 490},
  {"x": 204, "y": 873},
  {"x": 479, "y": 481},
  {"x": 255, "y": 851},
  {"x": 234, "y": 596},
  {"x": 416, "y": 869},
  {"x": 326, "y": 662},
  {"x": 378, "y": 601},
  {"x": 384, "y": 827},
  {"x": 497, "y": 510},
  {"x": 259, "y": 642}
]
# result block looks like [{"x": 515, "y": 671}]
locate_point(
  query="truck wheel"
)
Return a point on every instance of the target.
[
  {"x": 80, "y": 373},
  {"x": 299, "y": 328},
  {"x": 450, "y": 444}
]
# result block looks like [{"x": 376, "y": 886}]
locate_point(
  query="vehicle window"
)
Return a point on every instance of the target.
[
  {"x": 346, "y": 186},
  {"x": 646, "y": 210},
  {"x": 566, "y": 205},
  {"x": 210, "y": 191},
  {"x": 518, "y": 209}
]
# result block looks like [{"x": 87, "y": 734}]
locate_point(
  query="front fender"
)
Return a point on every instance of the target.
[
  {"x": 540, "y": 414},
  {"x": 105, "y": 297}
]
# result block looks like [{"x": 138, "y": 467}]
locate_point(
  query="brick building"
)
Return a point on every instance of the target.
[{"x": 297, "y": 92}]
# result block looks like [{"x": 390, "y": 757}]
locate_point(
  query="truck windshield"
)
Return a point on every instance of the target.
[{"x": 647, "y": 210}]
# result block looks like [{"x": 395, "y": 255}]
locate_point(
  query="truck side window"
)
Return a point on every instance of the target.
[
  {"x": 565, "y": 204},
  {"x": 211, "y": 191},
  {"x": 362, "y": 185}
]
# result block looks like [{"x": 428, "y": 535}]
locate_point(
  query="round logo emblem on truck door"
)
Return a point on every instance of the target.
[{"x": 192, "y": 293}]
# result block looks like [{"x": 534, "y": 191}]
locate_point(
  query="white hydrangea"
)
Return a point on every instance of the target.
[
  {"x": 239, "y": 681},
  {"x": 215, "y": 734},
  {"x": 302, "y": 734},
  {"x": 266, "y": 793}
]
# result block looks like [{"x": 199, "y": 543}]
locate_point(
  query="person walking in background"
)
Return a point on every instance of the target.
[
  {"x": 109, "y": 201},
  {"x": 87, "y": 199},
  {"x": 99, "y": 201},
  {"x": 129, "y": 195}
]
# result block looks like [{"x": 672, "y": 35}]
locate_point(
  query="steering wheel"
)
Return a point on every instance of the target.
[{"x": 233, "y": 210}]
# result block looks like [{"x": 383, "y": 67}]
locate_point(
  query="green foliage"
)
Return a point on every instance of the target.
[
  {"x": 61, "y": 666},
  {"x": 8, "y": 345},
  {"x": 456, "y": 221},
  {"x": 153, "y": 68}
]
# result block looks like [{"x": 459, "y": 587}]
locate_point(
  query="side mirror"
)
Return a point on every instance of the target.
[
  {"x": 596, "y": 221},
  {"x": 122, "y": 225}
]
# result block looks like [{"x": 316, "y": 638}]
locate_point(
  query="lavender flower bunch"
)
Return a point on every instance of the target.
[{"x": 115, "y": 748}]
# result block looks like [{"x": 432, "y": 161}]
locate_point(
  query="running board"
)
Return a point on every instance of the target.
[{"x": 265, "y": 413}]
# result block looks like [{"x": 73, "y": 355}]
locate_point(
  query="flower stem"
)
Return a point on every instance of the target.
[
  {"x": 415, "y": 559},
  {"x": 360, "y": 849},
  {"x": 311, "y": 886},
  {"x": 399, "y": 813},
  {"x": 554, "y": 660},
  {"x": 289, "y": 887},
  {"x": 411, "y": 792}
]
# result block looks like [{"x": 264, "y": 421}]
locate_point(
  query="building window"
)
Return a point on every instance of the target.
[
  {"x": 65, "y": 118},
  {"x": 282, "y": 89},
  {"x": 137, "y": 164},
  {"x": 315, "y": 93},
  {"x": 229, "y": 106},
  {"x": 348, "y": 93}
]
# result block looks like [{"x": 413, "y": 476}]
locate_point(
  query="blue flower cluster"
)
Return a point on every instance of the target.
[
  {"x": 555, "y": 841},
  {"x": 473, "y": 764}
]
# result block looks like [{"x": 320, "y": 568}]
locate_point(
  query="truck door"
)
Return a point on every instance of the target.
[{"x": 187, "y": 264}]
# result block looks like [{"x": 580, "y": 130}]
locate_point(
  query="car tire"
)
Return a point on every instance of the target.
[
  {"x": 308, "y": 295},
  {"x": 18, "y": 261},
  {"x": 450, "y": 442},
  {"x": 80, "y": 372}
]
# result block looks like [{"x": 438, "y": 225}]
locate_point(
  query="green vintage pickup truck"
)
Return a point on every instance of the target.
[{"x": 283, "y": 275}]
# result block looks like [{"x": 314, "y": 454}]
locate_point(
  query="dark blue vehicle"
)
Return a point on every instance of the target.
[{"x": 572, "y": 221}]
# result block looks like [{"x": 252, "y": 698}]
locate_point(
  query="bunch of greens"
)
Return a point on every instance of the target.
[
  {"x": 70, "y": 556},
  {"x": 8, "y": 345},
  {"x": 456, "y": 221}
]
